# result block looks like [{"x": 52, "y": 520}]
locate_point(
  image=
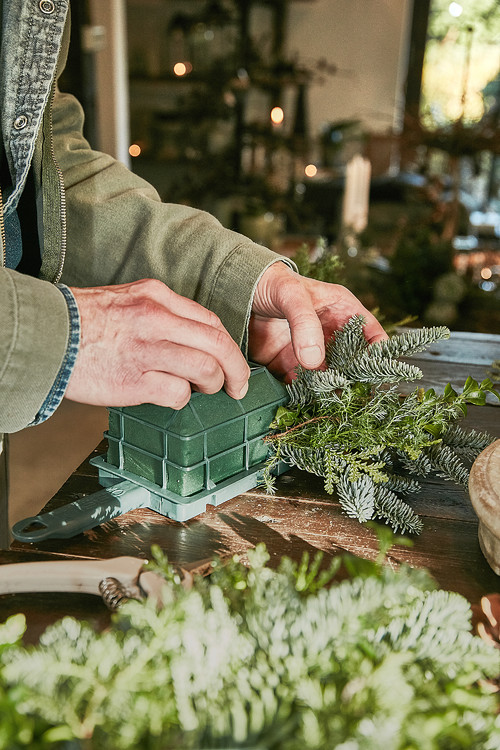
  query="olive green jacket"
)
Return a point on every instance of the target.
[{"x": 107, "y": 226}]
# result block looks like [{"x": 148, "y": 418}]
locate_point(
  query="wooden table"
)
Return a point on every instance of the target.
[{"x": 300, "y": 517}]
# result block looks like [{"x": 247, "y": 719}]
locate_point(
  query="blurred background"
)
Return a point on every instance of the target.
[{"x": 360, "y": 137}]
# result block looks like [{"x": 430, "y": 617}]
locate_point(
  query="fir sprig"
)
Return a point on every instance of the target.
[
  {"x": 349, "y": 424},
  {"x": 323, "y": 264}
]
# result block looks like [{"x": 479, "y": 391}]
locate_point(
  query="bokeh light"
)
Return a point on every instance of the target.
[
  {"x": 277, "y": 115},
  {"x": 455, "y": 10},
  {"x": 182, "y": 68}
]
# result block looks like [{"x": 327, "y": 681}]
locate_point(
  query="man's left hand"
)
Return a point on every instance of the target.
[{"x": 293, "y": 316}]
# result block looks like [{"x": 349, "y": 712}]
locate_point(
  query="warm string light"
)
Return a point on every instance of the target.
[
  {"x": 182, "y": 68},
  {"x": 277, "y": 116},
  {"x": 134, "y": 149},
  {"x": 311, "y": 170}
]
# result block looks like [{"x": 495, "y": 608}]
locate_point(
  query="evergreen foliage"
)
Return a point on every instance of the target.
[
  {"x": 323, "y": 265},
  {"x": 262, "y": 659},
  {"x": 349, "y": 424}
]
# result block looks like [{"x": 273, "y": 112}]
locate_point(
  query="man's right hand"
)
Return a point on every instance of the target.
[{"x": 143, "y": 343}]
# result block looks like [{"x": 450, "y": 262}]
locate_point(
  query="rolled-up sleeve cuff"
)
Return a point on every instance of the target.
[{"x": 58, "y": 389}]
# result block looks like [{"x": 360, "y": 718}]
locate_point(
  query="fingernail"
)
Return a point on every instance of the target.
[
  {"x": 243, "y": 392},
  {"x": 311, "y": 356}
]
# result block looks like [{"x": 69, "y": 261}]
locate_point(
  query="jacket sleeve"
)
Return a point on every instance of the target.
[
  {"x": 34, "y": 331},
  {"x": 120, "y": 231}
]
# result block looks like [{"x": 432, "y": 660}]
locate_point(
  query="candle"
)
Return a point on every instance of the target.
[{"x": 356, "y": 194}]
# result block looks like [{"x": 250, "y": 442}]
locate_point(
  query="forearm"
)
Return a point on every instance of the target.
[{"x": 119, "y": 231}]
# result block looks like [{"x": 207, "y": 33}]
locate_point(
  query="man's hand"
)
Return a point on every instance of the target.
[
  {"x": 142, "y": 343},
  {"x": 293, "y": 316}
]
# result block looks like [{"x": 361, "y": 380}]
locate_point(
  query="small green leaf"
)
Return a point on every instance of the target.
[
  {"x": 449, "y": 393},
  {"x": 434, "y": 429},
  {"x": 283, "y": 418},
  {"x": 477, "y": 397},
  {"x": 488, "y": 386},
  {"x": 470, "y": 385}
]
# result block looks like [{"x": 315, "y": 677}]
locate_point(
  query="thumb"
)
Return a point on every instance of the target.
[
  {"x": 285, "y": 295},
  {"x": 305, "y": 330}
]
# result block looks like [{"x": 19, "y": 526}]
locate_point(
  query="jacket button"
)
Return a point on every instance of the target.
[
  {"x": 47, "y": 7},
  {"x": 20, "y": 122}
]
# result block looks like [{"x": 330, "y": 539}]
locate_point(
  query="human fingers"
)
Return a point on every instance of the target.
[
  {"x": 189, "y": 363},
  {"x": 335, "y": 305},
  {"x": 162, "y": 389},
  {"x": 269, "y": 337},
  {"x": 282, "y": 294},
  {"x": 195, "y": 327},
  {"x": 125, "y": 333}
]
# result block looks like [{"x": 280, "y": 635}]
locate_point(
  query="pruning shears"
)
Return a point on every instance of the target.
[{"x": 115, "y": 580}]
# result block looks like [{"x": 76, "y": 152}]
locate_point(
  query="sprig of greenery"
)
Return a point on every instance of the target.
[
  {"x": 254, "y": 657},
  {"x": 350, "y": 425},
  {"x": 323, "y": 265}
]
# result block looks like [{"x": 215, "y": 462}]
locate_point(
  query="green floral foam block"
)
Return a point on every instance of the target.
[
  {"x": 192, "y": 449},
  {"x": 175, "y": 462}
]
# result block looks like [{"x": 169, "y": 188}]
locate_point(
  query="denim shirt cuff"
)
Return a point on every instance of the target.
[{"x": 57, "y": 391}]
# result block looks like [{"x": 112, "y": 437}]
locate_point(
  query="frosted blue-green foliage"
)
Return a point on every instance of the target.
[
  {"x": 262, "y": 658},
  {"x": 350, "y": 425}
]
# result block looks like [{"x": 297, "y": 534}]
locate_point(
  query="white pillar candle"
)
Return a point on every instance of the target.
[{"x": 356, "y": 194}]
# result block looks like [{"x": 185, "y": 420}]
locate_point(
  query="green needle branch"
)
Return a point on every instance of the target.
[{"x": 349, "y": 424}]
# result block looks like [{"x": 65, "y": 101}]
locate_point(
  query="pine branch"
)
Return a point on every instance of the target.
[
  {"x": 274, "y": 437},
  {"x": 299, "y": 391},
  {"x": 349, "y": 425},
  {"x": 421, "y": 465},
  {"x": 323, "y": 382},
  {"x": 447, "y": 464},
  {"x": 346, "y": 344},
  {"x": 357, "y": 498},
  {"x": 392, "y": 509},
  {"x": 308, "y": 459},
  {"x": 456, "y": 437},
  {"x": 259, "y": 657},
  {"x": 411, "y": 342},
  {"x": 371, "y": 369},
  {"x": 402, "y": 485}
]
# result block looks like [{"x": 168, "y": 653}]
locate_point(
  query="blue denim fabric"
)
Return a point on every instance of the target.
[
  {"x": 14, "y": 245},
  {"x": 30, "y": 48},
  {"x": 32, "y": 33},
  {"x": 58, "y": 389}
]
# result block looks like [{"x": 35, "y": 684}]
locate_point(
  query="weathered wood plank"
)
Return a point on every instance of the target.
[
  {"x": 288, "y": 526},
  {"x": 462, "y": 347}
]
